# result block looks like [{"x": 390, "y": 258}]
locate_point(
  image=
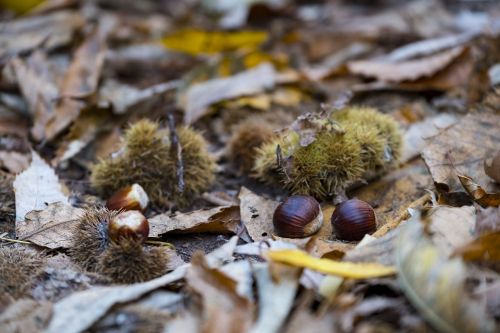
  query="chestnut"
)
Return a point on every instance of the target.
[
  {"x": 128, "y": 224},
  {"x": 298, "y": 216},
  {"x": 353, "y": 219},
  {"x": 129, "y": 198}
]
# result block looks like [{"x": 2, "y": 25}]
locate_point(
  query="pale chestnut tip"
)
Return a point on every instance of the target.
[
  {"x": 297, "y": 217},
  {"x": 128, "y": 224},
  {"x": 353, "y": 219},
  {"x": 129, "y": 198}
]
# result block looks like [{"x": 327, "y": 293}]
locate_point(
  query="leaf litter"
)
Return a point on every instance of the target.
[{"x": 78, "y": 75}]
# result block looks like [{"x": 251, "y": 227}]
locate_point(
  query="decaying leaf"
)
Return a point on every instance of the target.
[
  {"x": 451, "y": 227},
  {"x": 25, "y": 316},
  {"x": 51, "y": 227},
  {"x": 487, "y": 220},
  {"x": 435, "y": 285},
  {"x": 350, "y": 270},
  {"x": 257, "y": 214},
  {"x": 77, "y": 312},
  {"x": 215, "y": 220},
  {"x": 484, "y": 248},
  {"x": 223, "y": 308},
  {"x": 379, "y": 250},
  {"x": 36, "y": 187},
  {"x": 477, "y": 193},
  {"x": 461, "y": 149},
  {"x": 199, "y": 96},
  {"x": 408, "y": 70},
  {"x": 196, "y": 42}
]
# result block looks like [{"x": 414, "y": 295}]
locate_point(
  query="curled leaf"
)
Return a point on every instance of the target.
[
  {"x": 351, "y": 270},
  {"x": 477, "y": 193}
]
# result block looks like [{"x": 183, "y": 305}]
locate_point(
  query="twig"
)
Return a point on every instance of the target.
[
  {"x": 176, "y": 152},
  {"x": 14, "y": 240}
]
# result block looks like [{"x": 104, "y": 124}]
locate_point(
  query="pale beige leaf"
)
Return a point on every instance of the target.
[
  {"x": 257, "y": 214},
  {"x": 201, "y": 95},
  {"x": 408, "y": 70},
  {"x": 36, "y": 187},
  {"x": 461, "y": 149},
  {"x": 77, "y": 312},
  {"x": 25, "y": 315},
  {"x": 435, "y": 285},
  {"x": 216, "y": 220},
  {"x": 52, "y": 227}
]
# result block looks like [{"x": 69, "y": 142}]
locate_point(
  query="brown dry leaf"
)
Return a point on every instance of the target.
[
  {"x": 25, "y": 316},
  {"x": 14, "y": 161},
  {"x": 379, "y": 250},
  {"x": 200, "y": 96},
  {"x": 415, "y": 135},
  {"x": 461, "y": 149},
  {"x": 487, "y": 220},
  {"x": 79, "y": 311},
  {"x": 38, "y": 85},
  {"x": 52, "y": 227},
  {"x": 223, "y": 309},
  {"x": 451, "y": 227},
  {"x": 435, "y": 285},
  {"x": 408, "y": 70},
  {"x": 36, "y": 187},
  {"x": 257, "y": 214},
  {"x": 484, "y": 248},
  {"x": 81, "y": 79},
  {"x": 478, "y": 194},
  {"x": 50, "y": 31},
  {"x": 216, "y": 220}
]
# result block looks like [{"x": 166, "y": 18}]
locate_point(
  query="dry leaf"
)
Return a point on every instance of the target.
[
  {"x": 408, "y": 70},
  {"x": 36, "y": 187},
  {"x": 451, "y": 227},
  {"x": 50, "y": 31},
  {"x": 276, "y": 298},
  {"x": 415, "y": 135},
  {"x": 478, "y": 194},
  {"x": 435, "y": 285},
  {"x": 79, "y": 311},
  {"x": 460, "y": 149},
  {"x": 257, "y": 214},
  {"x": 196, "y": 42},
  {"x": 199, "y": 96},
  {"x": 52, "y": 227},
  {"x": 350, "y": 270},
  {"x": 223, "y": 309},
  {"x": 216, "y": 220},
  {"x": 484, "y": 248},
  {"x": 13, "y": 161},
  {"x": 379, "y": 250},
  {"x": 487, "y": 220},
  {"x": 25, "y": 316},
  {"x": 37, "y": 83},
  {"x": 80, "y": 80}
]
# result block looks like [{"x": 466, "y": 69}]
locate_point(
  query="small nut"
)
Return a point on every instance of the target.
[
  {"x": 297, "y": 217},
  {"x": 129, "y": 198},
  {"x": 353, "y": 219},
  {"x": 129, "y": 224}
]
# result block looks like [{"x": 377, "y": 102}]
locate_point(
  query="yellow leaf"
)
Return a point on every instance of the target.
[
  {"x": 20, "y": 6},
  {"x": 350, "y": 270},
  {"x": 196, "y": 42}
]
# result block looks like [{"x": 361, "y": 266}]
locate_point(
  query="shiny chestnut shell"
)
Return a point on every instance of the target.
[
  {"x": 353, "y": 219},
  {"x": 298, "y": 216},
  {"x": 128, "y": 225},
  {"x": 129, "y": 198}
]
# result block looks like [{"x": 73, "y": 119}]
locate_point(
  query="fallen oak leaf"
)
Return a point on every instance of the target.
[
  {"x": 477, "y": 193},
  {"x": 350, "y": 270},
  {"x": 484, "y": 248}
]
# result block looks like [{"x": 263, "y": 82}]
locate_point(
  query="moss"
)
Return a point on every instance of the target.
[
  {"x": 90, "y": 239},
  {"x": 368, "y": 142},
  {"x": 146, "y": 159},
  {"x": 130, "y": 262},
  {"x": 19, "y": 269},
  {"x": 247, "y": 138}
]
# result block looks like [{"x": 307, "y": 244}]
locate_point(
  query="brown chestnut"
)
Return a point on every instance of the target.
[
  {"x": 353, "y": 219},
  {"x": 129, "y": 198},
  {"x": 129, "y": 224},
  {"x": 298, "y": 216}
]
